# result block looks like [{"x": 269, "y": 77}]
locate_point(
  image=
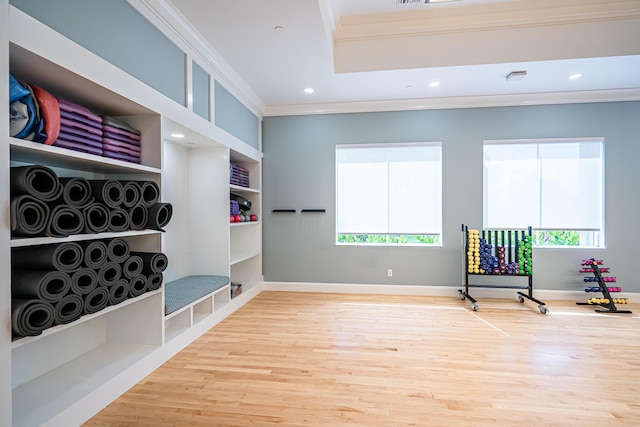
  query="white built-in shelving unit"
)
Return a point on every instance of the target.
[{"x": 69, "y": 372}]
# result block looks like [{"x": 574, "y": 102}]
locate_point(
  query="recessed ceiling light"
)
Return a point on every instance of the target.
[
  {"x": 308, "y": 90},
  {"x": 434, "y": 84},
  {"x": 177, "y": 135},
  {"x": 575, "y": 76},
  {"x": 408, "y": 86},
  {"x": 278, "y": 28}
]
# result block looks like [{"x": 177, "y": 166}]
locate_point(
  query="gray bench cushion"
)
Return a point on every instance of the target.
[{"x": 182, "y": 292}]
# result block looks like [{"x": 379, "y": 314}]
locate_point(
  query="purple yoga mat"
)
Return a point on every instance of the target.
[
  {"x": 83, "y": 139},
  {"x": 113, "y": 129},
  {"x": 118, "y": 137},
  {"x": 120, "y": 147},
  {"x": 77, "y": 125},
  {"x": 78, "y": 109},
  {"x": 81, "y": 119},
  {"x": 120, "y": 156},
  {"x": 77, "y": 147}
]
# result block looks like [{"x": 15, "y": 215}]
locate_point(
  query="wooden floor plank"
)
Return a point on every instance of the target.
[{"x": 312, "y": 359}]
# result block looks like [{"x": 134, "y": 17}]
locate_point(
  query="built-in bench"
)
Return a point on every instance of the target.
[{"x": 189, "y": 290}]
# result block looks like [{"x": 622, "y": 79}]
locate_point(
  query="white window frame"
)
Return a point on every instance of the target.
[
  {"x": 407, "y": 238},
  {"x": 589, "y": 237}
]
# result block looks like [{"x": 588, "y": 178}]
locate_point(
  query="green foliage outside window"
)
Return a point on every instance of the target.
[{"x": 389, "y": 239}]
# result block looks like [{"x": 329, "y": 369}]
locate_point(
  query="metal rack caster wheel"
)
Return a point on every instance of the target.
[
  {"x": 474, "y": 307},
  {"x": 521, "y": 299},
  {"x": 462, "y": 297},
  {"x": 543, "y": 309}
]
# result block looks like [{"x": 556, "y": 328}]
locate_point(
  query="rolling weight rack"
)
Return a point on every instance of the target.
[{"x": 505, "y": 253}]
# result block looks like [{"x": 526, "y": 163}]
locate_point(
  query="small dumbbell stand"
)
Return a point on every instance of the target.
[
  {"x": 593, "y": 266},
  {"x": 509, "y": 239}
]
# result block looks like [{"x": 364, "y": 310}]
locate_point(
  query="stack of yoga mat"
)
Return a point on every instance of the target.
[
  {"x": 43, "y": 204},
  {"x": 80, "y": 129},
  {"x": 119, "y": 140},
  {"x": 57, "y": 284},
  {"x": 239, "y": 175}
]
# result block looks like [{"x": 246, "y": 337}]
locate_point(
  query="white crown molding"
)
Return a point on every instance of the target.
[
  {"x": 483, "y": 17},
  {"x": 174, "y": 25},
  {"x": 581, "y": 97}
]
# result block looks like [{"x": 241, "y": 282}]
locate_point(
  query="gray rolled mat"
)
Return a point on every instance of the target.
[
  {"x": 68, "y": 309},
  {"x": 118, "y": 220},
  {"x": 109, "y": 191},
  {"x": 154, "y": 262},
  {"x": 117, "y": 250},
  {"x": 119, "y": 292},
  {"x": 76, "y": 192},
  {"x": 29, "y": 216},
  {"x": 132, "y": 194},
  {"x": 95, "y": 300},
  {"x": 29, "y": 317},
  {"x": 132, "y": 267},
  {"x": 65, "y": 221},
  {"x": 150, "y": 193},
  {"x": 96, "y": 218},
  {"x": 84, "y": 281},
  {"x": 159, "y": 216},
  {"x": 66, "y": 256},
  {"x": 138, "y": 286},
  {"x": 154, "y": 281},
  {"x": 49, "y": 286},
  {"x": 138, "y": 217},
  {"x": 38, "y": 181},
  {"x": 95, "y": 253},
  {"x": 109, "y": 274}
]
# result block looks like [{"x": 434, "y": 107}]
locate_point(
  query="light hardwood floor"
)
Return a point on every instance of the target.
[{"x": 310, "y": 359}]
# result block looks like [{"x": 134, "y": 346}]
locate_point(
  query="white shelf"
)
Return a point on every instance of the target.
[
  {"x": 237, "y": 259},
  {"x": 34, "y": 241},
  {"x": 34, "y": 153},
  {"x": 242, "y": 224},
  {"x": 46, "y": 396},
  {"x": 238, "y": 188},
  {"x": 59, "y": 328}
]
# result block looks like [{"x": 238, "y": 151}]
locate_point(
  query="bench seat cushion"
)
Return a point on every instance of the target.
[{"x": 182, "y": 292}]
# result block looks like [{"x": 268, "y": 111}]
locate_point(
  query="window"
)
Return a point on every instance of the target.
[
  {"x": 555, "y": 186},
  {"x": 389, "y": 194}
]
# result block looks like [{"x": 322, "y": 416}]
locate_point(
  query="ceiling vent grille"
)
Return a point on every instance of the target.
[{"x": 403, "y": 2}]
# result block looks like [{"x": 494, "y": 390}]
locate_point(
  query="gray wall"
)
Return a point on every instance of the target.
[
  {"x": 299, "y": 173},
  {"x": 232, "y": 116}
]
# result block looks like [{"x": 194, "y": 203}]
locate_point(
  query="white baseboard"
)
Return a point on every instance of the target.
[{"x": 444, "y": 291}]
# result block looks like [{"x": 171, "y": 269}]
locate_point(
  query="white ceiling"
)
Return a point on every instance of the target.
[{"x": 391, "y": 52}]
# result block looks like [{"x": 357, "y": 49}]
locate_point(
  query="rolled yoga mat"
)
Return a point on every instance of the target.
[
  {"x": 95, "y": 253},
  {"x": 68, "y": 309},
  {"x": 119, "y": 292},
  {"x": 154, "y": 281},
  {"x": 84, "y": 281},
  {"x": 117, "y": 250},
  {"x": 138, "y": 286},
  {"x": 29, "y": 216},
  {"x": 76, "y": 192},
  {"x": 49, "y": 286},
  {"x": 138, "y": 217},
  {"x": 37, "y": 181},
  {"x": 109, "y": 274},
  {"x": 154, "y": 262},
  {"x": 132, "y": 194},
  {"x": 66, "y": 256},
  {"x": 159, "y": 216},
  {"x": 118, "y": 220},
  {"x": 96, "y": 300},
  {"x": 150, "y": 193},
  {"x": 96, "y": 218},
  {"x": 65, "y": 221},
  {"x": 109, "y": 192},
  {"x": 132, "y": 266},
  {"x": 29, "y": 317}
]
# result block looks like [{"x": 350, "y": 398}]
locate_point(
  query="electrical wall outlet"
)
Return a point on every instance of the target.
[{"x": 389, "y": 272}]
